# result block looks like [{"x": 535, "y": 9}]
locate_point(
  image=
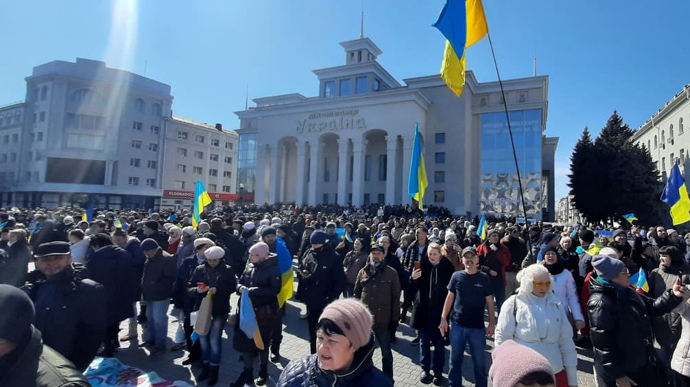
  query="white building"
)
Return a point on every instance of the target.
[
  {"x": 353, "y": 142},
  {"x": 89, "y": 133},
  {"x": 664, "y": 134},
  {"x": 566, "y": 213}
]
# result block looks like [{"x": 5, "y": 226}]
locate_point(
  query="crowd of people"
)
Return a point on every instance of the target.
[{"x": 540, "y": 290}]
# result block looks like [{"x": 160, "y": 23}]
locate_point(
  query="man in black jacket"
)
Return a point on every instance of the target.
[
  {"x": 621, "y": 329},
  {"x": 232, "y": 243},
  {"x": 324, "y": 280},
  {"x": 150, "y": 230},
  {"x": 24, "y": 359},
  {"x": 156, "y": 289},
  {"x": 118, "y": 272},
  {"x": 71, "y": 310}
]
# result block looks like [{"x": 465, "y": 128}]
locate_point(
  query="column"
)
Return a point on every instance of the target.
[
  {"x": 273, "y": 175},
  {"x": 407, "y": 143},
  {"x": 301, "y": 176},
  {"x": 358, "y": 151},
  {"x": 343, "y": 158},
  {"x": 391, "y": 150},
  {"x": 260, "y": 178},
  {"x": 316, "y": 148},
  {"x": 282, "y": 192}
]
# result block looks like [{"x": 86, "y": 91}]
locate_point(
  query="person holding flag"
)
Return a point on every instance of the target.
[
  {"x": 261, "y": 282},
  {"x": 675, "y": 194},
  {"x": 620, "y": 321}
]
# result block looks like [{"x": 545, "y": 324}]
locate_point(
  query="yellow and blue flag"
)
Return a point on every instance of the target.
[
  {"x": 463, "y": 24},
  {"x": 482, "y": 229},
  {"x": 201, "y": 200},
  {"x": 639, "y": 281},
  {"x": 676, "y": 196},
  {"x": 117, "y": 223},
  {"x": 287, "y": 278},
  {"x": 630, "y": 217},
  {"x": 248, "y": 323},
  {"x": 418, "y": 182},
  {"x": 88, "y": 215}
]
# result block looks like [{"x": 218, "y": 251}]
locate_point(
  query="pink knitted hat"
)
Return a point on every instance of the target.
[
  {"x": 353, "y": 318},
  {"x": 513, "y": 361}
]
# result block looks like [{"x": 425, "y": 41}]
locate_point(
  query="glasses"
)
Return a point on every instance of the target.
[{"x": 542, "y": 283}]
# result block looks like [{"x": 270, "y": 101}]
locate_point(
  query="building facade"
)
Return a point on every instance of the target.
[
  {"x": 86, "y": 133},
  {"x": 566, "y": 213},
  {"x": 352, "y": 144},
  {"x": 665, "y": 135}
]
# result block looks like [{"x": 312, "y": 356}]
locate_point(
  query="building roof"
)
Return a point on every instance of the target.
[
  {"x": 669, "y": 107},
  {"x": 202, "y": 125}
]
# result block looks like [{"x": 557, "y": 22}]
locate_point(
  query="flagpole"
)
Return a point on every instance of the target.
[{"x": 510, "y": 131}]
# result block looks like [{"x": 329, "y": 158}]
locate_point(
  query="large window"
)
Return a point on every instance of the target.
[
  {"x": 156, "y": 110},
  {"x": 81, "y": 171},
  {"x": 440, "y": 158},
  {"x": 139, "y": 105},
  {"x": 440, "y": 177},
  {"x": 345, "y": 87},
  {"x": 84, "y": 122},
  {"x": 361, "y": 86},
  {"x": 214, "y": 157},
  {"x": 329, "y": 89},
  {"x": 367, "y": 168},
  {"x": 85, "y": 141},
  {"x": 440, "y": 138},
  {"x": 439, "y": 196},
  {"x": 499, "y": 189},
  {"x": 383, "y": 167}
]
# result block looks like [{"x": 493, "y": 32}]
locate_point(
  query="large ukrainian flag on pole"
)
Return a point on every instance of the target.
[
  {"x": 676, "y": 196},
  {"x": 201, "y": 200},
  {"x": 418, "y": 182},
  {"x": 463, "y": 23}
]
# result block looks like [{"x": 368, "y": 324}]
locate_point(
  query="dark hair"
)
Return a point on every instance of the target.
[
  {"x": 100, "y": 240},
  {"x": 120, "y": 232},
  {"x": 77, "y": 233},
  {"x": 540, "y": 378},
  {"x": 673, "y": 252},
  {"x": 329, "y": 328}
]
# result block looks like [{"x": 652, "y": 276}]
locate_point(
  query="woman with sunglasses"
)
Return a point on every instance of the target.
[{"x": 535, "y": 318}]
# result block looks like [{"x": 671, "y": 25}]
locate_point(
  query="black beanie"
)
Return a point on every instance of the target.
[
  {"x": 15, "y": 326},
  {"x": 268, "y": 231}
]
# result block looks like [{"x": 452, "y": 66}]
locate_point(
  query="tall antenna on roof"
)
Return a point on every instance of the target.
[
  {"x": 246, "y": 100},
  {"x": 361, "y": 25}
]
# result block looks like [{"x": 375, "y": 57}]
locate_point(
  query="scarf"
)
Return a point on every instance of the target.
[{"x": 555, "y": 268}]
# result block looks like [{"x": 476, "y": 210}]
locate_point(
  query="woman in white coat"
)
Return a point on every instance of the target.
[
  {"x": 564, "y": 286},
  {"x": 535, "y": 318},
  {"x": 680, "y": 362}
]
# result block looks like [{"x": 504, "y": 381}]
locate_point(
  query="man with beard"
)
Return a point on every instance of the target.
[
  {"x": 650, "y": 251},
  {"x": 324, "y": 280},
  {"x": 378, "y": 287}
]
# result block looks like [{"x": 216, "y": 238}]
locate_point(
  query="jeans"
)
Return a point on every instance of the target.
[
  {"x": 157, "y": 322},
  {"x": 383, "y": 336},
  {"x": 499, "y": 292},
  {"x": 459, "y": 337},
  {"x": 211, "y": 347},
  {"x": 427, "y": 338}
]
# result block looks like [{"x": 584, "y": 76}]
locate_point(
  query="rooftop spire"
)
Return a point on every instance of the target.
[{"x": 361, "y": 25}]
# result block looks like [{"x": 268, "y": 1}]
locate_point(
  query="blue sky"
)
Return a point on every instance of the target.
[{"x": 631, "y": 56}]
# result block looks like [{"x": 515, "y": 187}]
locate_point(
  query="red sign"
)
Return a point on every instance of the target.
[{"x": 174, "y": 194}]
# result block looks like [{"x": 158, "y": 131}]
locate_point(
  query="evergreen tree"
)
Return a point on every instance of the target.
[{"x": 614, "y": 176}]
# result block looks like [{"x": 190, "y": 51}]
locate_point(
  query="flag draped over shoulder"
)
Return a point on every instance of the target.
[
  {"x": 676, "y": 196},
  {"x": 482, "y": 229},
  {"x": 201, "y": 200},
  {"x": 418, "y": 182},
  {"x": 287, "y": 280},
  {"x": 248, "y": 323},
  {"x": 463, "y": 24}
]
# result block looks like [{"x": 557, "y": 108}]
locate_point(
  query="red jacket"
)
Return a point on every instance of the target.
[{"x": 494, "y": 260}]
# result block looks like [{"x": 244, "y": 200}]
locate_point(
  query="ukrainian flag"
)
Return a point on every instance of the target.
[
  {"x": 630, "y": 217},
  {"x": 482, "y": 229},
  {"x": 418, "y": 182},
  {"x": 676, "y": 196},
  {"x": 463, "y": 23},
  {"x": 287, "y": 279},
  {"x": 248, "y": 323},
  {"x": 201, "y": 200},
  {"x": 639, "y": 282}
]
